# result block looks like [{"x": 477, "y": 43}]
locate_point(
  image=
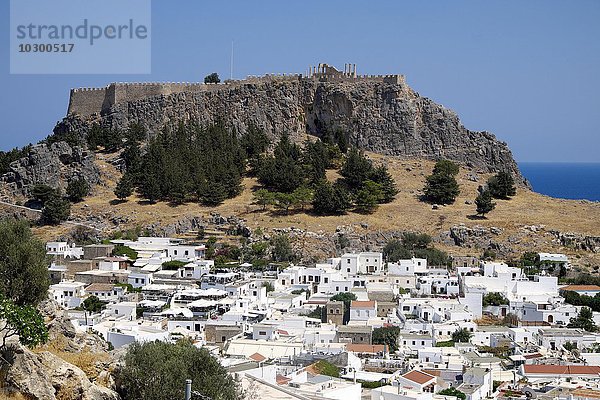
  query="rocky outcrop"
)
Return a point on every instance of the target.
[
  {"x": 52, "y": 165},
  {"x": 388, "y": 118},
  {"x": 44, "y": 376},
  {"x": 577, "y": 241}
]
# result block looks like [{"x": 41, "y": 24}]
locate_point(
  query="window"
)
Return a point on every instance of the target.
[
  {"x": 347, "y": 269},
  {"x": 348, "y": 261},
  {"x": 326, "y": 280},
  {"x": 422, "y": 343},
  {"x": 175, "y": 252},
  {"x": 186, "y": 252},
  {"x": 413, "y": 342},
  {"x": 262, "y": 333},
  {"x": 223, "y": 338}
]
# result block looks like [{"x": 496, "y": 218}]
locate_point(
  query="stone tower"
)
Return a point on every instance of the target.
[{"x": 334, "y": 312}]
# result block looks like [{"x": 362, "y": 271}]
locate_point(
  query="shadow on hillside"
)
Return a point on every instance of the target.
[
  {"x": 476, "y": 217},
  {"x": 116, "y": 202}
]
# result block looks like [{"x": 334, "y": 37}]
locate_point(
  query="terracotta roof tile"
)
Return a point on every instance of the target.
[
  {"x": 575, "y": 288},
  {"x": 418, "y": 376},
  {"x": 282, "y": 380},
  {"x": 363, "y": 304},
  {"x": 365, "y": 348},
  {"x": 258, "y": 357},
  {"x": 100, "y": 287},
  {"x": 562, "y": 369}
]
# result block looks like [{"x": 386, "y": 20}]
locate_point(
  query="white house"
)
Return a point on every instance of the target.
[
  {"x": 62, "y": 249},
  {"x": 106, "y": 291},
  {"x": 419, "y": 381},
  {"x": 363, "y": 310},
  {"x": 363, "y": 263},
  {"x": 125, "y": 310},
  {"x": 68, "y": 294}
]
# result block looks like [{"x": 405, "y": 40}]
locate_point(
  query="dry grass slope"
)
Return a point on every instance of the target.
[{"x": 406, "y": 212}]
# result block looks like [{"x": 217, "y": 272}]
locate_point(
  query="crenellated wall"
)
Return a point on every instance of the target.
[{"x": 89, "y": 101}]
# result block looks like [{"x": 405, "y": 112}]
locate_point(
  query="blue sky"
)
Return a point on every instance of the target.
[{"x": 525, "y": 71}]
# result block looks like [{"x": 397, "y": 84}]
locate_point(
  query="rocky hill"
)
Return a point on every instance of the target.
[{"x": 377, "y": 113}]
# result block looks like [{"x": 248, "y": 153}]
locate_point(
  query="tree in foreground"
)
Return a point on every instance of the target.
[
  {"x": 77, "y": 189},
  {"x": 461, "y": 335},
  {"x": 484, "y": 203},
  {"x": 158, "y": 371},
  {"x": 23, "y": 264},
  {"x": 502, "y": 185},
  {"x": 22, "y": 321},
  {"x": 212, "y": 78}
]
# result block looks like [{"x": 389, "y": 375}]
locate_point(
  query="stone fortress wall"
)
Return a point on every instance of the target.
[{"x": 88, "y": 101}]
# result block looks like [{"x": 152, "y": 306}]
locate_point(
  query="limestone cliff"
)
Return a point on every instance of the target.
[{"x": 49, "y": 164}]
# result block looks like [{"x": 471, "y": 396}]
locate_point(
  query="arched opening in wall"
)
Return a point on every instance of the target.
[{"x": 550, "y": 318}]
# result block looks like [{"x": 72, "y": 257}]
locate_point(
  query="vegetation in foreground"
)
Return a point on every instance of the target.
[{"x": 158, "y": 371}]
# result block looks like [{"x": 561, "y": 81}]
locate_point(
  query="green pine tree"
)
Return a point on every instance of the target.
[
  {"x": 484, "y": 202},
  {"x": 441, "y": 188},
  {"x": 502, "y": 185},
  {"x": 77, "y": 189},
  {"x": 356, "y": 169},
  {"x": 387, "y": 184},
  {"x": 330, "y": 199},
  {"x": 124, "y": 187},
  {"x": 368, "y": 197}
]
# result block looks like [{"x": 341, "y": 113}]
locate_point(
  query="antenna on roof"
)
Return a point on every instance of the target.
[{"x": 231, "y": 63}]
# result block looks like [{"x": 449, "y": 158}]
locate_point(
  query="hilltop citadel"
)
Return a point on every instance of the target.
[{"x": 87, "y": 101}]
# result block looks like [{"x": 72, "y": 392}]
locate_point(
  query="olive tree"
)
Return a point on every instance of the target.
[
  {"x": 23, "y": 264},
  {"x": 158, "y": 371}
]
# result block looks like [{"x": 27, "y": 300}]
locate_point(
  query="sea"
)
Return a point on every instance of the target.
[{"x": 578, "y": 181}]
